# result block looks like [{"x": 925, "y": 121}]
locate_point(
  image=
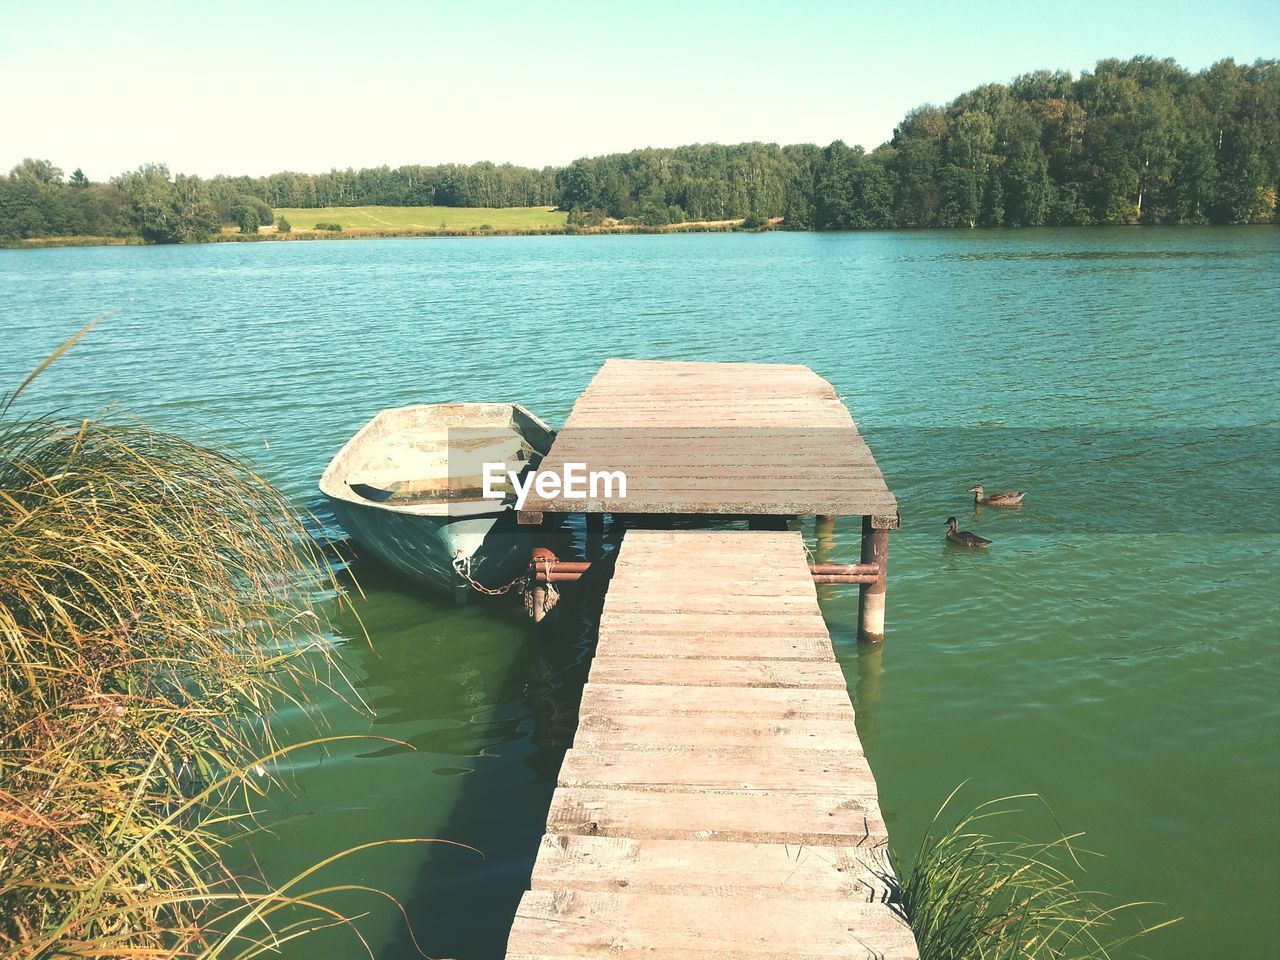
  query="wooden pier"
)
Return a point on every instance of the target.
[
  {"x": 716, "y": 803},
  {"x": 726, "y": 439}
]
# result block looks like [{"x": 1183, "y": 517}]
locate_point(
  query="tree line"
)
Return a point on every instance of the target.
[{"x": 1132, "y": 141}]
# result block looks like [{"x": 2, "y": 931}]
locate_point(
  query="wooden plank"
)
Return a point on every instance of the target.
[
  {"x": 737, "y": 647},
  {"x": 744, "y": 500},
  {"x": 715, "y": 442},
  {"x": 718, "y": 543},
  {"x": 732, "y": 571},
  {"x": 700, "y": 624},
  {"x": 727, "y": 545},
  {"x": 712, "y": 868},
  {"x": 861, "y": 477},
  {"x": 783, "y": 597},
  {"x": 714, "y": 464},
  {"x": 719, "y": 673},
  {"x": 782, "y": 505},
  {"x": 665, "y": 733},
  {"x": 669, "y": 596},
  {"x": 708, "y": 538},
  {"x": 655, "y": 589},
  {"x": 723, "y": 485},
  {"x": 717, "y": 769},
  {"x": 845, "y": 817},
  {"x": 824, "y": 438},
  {"x": 588, "y": 408},
  {"x": 812, "y": 420},
  {"x": 722, "y": 552},
  {"x": 805, "y": 436},
  {"x": 704, "y": 624},
  {"x": 734, "y": 607},
  {"x": 795, "y": 399},
  {"x": 638, "y": 699},
  {"x": 579, "y": 923},
  {"x": 749, "y": 576},
  {"x": 802, "y": 414}
]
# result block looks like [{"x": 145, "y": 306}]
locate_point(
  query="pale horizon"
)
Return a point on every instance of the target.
[{"x": 236, "y": 88}]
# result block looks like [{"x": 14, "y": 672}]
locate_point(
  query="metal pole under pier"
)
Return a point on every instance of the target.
[{"x": 875, "y": 549}]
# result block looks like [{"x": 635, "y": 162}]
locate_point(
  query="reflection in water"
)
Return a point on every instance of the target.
[
  {"x": 524, "y": 719},
  {"x": 824, "y": 551},
  {"x": 487, "y": 707},
  {"x": 866, "y": 693}
]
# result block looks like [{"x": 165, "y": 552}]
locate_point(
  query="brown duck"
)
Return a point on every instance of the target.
[
  {"x": 997, "y": 499},
  {"x": 963, "y": 537}
]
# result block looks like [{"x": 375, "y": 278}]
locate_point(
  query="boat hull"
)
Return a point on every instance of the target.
[{"x": 493, "y": 547}]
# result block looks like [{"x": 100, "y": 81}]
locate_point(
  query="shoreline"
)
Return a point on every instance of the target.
[{"x": 371, "y": 233}]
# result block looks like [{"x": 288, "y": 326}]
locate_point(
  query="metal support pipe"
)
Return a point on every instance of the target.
[
  {"x": 844, "y": 569},
  {"x": 558, "y": 571},
  {"x": 556, "y": 576},
  {"x": 875, "y": 551}
]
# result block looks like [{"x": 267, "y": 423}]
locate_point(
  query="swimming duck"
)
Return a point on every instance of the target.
[
  {"x": 997, "y": 499},
  {"x": 963, "y": 537}
]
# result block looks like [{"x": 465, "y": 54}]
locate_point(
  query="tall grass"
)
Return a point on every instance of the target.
[
  {"x": 971, "y": 896},
  {"x": 154, "y": 604}
]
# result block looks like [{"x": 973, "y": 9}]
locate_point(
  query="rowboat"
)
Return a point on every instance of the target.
[{"x": 408, "y": 488}]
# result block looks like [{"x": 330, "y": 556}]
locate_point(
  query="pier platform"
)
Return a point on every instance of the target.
[
  {"x": 754, "y": 440},
  {"x": 717, "y": 438},
  {"x": 716, "y": 802}
]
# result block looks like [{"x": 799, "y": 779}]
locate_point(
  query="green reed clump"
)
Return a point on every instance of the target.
[
  {"x": 152, "y": 593},
  {"x": 971, "y": 896}
]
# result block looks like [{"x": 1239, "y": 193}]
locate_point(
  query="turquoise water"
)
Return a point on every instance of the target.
[{"x": 1115, "y": 651}]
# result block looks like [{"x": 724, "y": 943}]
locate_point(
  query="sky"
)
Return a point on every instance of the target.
[{"x": 255, "y": 87}]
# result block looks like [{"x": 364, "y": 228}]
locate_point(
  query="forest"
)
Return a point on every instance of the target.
[{"x": 1138, "y": 141}]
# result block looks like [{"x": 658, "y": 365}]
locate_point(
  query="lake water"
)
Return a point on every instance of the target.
[{"x": 1116, "y": 651}]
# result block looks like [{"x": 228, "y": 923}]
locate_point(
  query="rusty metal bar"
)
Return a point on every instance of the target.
[
  {"x": 556, "y": 576},
  {"x": 569, "y": 571},
  {"x": 560, "y": 566},
  {"x": 844, "y": 569}
]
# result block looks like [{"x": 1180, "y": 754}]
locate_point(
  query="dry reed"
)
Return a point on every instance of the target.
[{"x": 155, "y": 602}]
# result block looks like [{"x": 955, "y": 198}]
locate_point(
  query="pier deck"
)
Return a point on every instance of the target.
[
  {"x": 716, "y": 803},
  {"x": 717, "y": 438},
  {"x": 729, "y": 439}
]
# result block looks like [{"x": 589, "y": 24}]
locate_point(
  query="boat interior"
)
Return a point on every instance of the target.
[{"x": 430, "y": 458}]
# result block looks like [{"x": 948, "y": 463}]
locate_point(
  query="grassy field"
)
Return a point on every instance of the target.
[{"x": 426, "y": 218}]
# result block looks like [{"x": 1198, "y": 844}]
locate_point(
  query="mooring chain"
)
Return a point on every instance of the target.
[
  {"x": 462, "y": 564},
  {"x": 551, "y": 596}
]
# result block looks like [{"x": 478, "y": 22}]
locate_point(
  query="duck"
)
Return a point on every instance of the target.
[
  {"x": 1009, "y": 499},
  {"x": 963, "y": 537}
]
